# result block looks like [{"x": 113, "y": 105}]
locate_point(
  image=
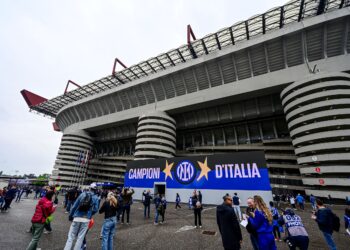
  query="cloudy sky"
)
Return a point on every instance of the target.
[{"x": 45, "y": 43}]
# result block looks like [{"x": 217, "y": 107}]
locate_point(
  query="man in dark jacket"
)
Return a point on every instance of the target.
[
  {"x": 146, "y": 203},
  {"x": 127, "y": 201},
  {"x": 228, "y": 225},
  {"x": 9, "y": 196},
  {"x": 324, "y": 218}
]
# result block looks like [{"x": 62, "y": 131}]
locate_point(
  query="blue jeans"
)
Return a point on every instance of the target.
[
  {"x": 156, "y": 217},
  {"x": 76, "y": 229},
  {"x": 69, "y": 204},
  {"x": 329, "y": 240},
  {"x": 146, "y": 210},
  {"x": 254, "y": 241},
  {"x": 109, "y": 227}
]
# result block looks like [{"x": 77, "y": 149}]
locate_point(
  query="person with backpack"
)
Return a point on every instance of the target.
[
  {"x": 162, "y": 208},
  {"x": 275, "y": 225},
  {"x": 157, "y": 201},
  {"x": 327, "y": 222},
  {"x": 228, "y": 224},
  {"x": 127, "y": 201},
  {"x": 296, "y": 232},
  {"x": 80, "y": 214},
  {"x": 236, "y": 206},
  {"x": 146, "y": 203},
  {"x": 177, "y": 201},
  {"x": 347, "y": 220},
  {"x": 43, "y": 210},
  {"x": 109, "y": 208},
  {"x": 197, "y": 209}
]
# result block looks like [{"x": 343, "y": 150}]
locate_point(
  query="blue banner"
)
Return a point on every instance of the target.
[{"x": 237, "y": 171}]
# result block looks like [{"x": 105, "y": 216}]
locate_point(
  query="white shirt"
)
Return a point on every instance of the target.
[{"x": 81, "y": 219}]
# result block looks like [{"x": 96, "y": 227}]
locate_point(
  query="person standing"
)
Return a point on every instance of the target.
[
  {"x": 292, "y": 202},
  {"x": 157, "y": 202},
  {"x": 324, "y": 218},
  {"x": 261, "y": 221},
  {"x": 190, "y": 203},
  {"x": 109, "y": 208},
  {"x": 9, "y": 196},
  {"x": 236, "y": 206},
  {"x": 252, "y": 232},
  {"x": 347, "y": 200},
  {"x": 20, "y": 192},
  {"x": 2, "y": 196},
  {"x": 313, "y": 202},
  {"x": 230, "y": 231},
  {"x": 127, "y": 200},
  {"x": 146, "y": 203},
  {"x": 300, "y": 200},
  {"x": 177, "y": 201},
  {"x": 83, "y": 209},
  {"x": 296, "y": 232},
  {"x": 72, "y": 195},
  {"x": 200, "y": 197},
  {"x": 197, "y": 209},
  {"x": 275, "y": 226},
  {"x": 43, "y": 209},
  {"x": 330, "y": 202},
  {"x": 162, "y": 208},
  {"x": 278, "y": 200}
]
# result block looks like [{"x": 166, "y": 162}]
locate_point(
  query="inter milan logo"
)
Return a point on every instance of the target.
[{"x": 185, "y": 172}]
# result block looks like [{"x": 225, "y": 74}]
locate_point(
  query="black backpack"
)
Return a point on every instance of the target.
[
  {"x": 85, "y": 203},
  {"x": 335, "y": 222}
]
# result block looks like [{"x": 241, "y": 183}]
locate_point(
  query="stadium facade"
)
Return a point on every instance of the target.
[{"x": 277, "y": 83}]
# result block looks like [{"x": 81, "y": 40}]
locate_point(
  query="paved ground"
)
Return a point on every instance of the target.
[{"x": 142, "y": 234}]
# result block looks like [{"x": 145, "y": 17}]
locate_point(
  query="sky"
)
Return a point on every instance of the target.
[{"x": 43, "y": 44}]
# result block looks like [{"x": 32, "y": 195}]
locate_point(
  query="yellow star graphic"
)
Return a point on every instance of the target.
[
  {"x": 167, "y": 170},
  {"x": 204, "y": 169}
]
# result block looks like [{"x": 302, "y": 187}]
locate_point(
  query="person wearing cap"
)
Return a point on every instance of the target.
[
  {"x": 83, "y": 209},
  {"x": 228, "y": 225},
  {"x": 296, "y": 232}
]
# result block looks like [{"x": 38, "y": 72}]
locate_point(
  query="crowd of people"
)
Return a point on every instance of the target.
[{"x": 265, "y": 222}]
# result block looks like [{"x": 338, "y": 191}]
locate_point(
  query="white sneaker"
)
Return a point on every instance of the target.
[
  {"x": 200, "y": 226},
  {"x": 155, "y": 223}
]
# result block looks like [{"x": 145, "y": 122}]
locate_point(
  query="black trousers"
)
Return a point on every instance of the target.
[
  {"x": 198, "y": 215},
  {"x": 127, "y": 209}
]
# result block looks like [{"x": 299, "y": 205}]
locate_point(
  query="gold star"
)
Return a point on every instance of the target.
[
  {"x": 167, "y": 170},
  {"x": 204, "y": 169}
]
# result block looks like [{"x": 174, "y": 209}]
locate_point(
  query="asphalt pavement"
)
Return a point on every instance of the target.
[{"x": 176, "y": 233}]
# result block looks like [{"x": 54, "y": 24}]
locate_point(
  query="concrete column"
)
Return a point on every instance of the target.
[
  {"x": 156, "y": 136},
  {"x": 318, "y": 115},
  {"x": 67, "y": 171}
]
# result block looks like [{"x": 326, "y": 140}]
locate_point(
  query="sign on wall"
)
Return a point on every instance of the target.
[{"x": 239, "y": 171}]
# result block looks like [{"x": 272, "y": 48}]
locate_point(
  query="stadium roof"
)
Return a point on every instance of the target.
[{"x": 276, "y": 18}]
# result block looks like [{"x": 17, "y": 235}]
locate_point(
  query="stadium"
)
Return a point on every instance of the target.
[{"x": 278, "y": 83}]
